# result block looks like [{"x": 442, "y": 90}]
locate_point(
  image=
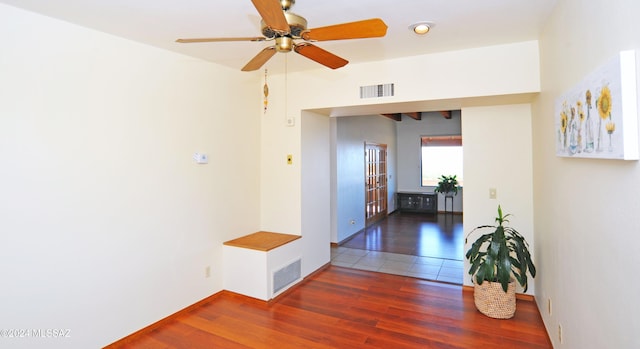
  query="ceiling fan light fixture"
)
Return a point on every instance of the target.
[
  {"x": 421, "y": 28},
  {"x": 284, "y": 44}
]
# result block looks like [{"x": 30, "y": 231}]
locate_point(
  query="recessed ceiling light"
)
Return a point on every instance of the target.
[{"x": 421, "y": 28}]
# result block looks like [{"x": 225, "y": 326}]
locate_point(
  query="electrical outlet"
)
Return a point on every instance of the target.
[
  {"x": 493, "y": 193},
  {"x": 291, "y": 121},
  {"x": 560, "y": 333},
  {"x": 207, "y": 271}
]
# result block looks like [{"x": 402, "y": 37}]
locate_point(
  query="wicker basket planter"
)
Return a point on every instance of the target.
[{"x": 492, "y": 301}]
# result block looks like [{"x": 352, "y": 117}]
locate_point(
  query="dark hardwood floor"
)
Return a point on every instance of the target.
[
  {"x": 418, "y": 234},
  {"x": 346, "y": 308}
]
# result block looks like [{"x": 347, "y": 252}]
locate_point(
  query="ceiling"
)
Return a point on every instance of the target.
[{"x": 459, "y": 24}]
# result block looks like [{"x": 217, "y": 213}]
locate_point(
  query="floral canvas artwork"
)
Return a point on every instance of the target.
[{"x": 598, "y": 117}]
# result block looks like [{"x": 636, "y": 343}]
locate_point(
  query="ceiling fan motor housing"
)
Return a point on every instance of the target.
[{"x": 297, "y": 24}]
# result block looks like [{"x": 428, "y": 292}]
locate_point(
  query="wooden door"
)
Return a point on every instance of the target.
[{"x": 375, "y": 182}]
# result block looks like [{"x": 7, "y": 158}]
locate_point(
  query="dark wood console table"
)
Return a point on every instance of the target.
[{"x": 418, "y": 202}]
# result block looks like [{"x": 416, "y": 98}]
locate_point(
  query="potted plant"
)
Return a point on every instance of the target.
[
  {"x": 498, "y": 259},
  {"x": 447, "y": 184}
]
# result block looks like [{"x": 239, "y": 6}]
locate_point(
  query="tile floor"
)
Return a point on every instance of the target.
[{"x": 438, "y": 269}]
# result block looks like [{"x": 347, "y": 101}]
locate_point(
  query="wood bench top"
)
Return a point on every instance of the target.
[{"x": 262, "y": 240}]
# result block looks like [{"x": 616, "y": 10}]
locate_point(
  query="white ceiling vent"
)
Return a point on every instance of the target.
[{"x": 375, "y": 91}]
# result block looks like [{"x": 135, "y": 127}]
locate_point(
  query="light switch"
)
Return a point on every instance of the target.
[{"x": 201, "y": 158}]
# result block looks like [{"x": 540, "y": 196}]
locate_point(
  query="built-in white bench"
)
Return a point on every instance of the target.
[{"x": 262, "y": 265}]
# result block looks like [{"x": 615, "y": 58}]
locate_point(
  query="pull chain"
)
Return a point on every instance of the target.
[
  {"x": 285, "y": 87},
  {"x": 265, "y": 90}
]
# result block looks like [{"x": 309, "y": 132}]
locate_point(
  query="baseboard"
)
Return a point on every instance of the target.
[
  {"x": 146, "y": 330},
  {"x": 348, "y": 237},
  {"x": 450, "y": 212}
]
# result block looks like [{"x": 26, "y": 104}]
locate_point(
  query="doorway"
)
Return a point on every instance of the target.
[{"x": 375, "y": 160}]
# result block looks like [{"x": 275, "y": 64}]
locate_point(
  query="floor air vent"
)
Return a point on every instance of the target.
[
  {"x": 374, "y": 91},
  {"x": 286, "y": 275}
]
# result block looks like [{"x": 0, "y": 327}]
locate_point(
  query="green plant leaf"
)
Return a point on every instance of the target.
[
  {"x": 480, "y": 276},
  {"x": 504, "y": 271},
  {"x": 475, "y": 263},
  {"x": 488, "y": 268},
  {"x": 477, "y": 245},
  {"x": 447, "y": 184},
  {"x": 515, "y": 263}
]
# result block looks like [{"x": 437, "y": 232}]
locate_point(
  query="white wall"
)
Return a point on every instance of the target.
[
  {"x": 497, "y": 154},
  {"x": 316, "y": 194},
  {"x": 352, "y": 133},
  {"x": 512, "y": 69},
  {"x": 586, "y": 211},
  {"x": 106, "y": 222},
  {"x": 410, "y": 132},
  {"x": 280, "y": 184}
]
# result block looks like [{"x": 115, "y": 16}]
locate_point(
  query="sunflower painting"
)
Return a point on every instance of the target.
[{"x": 606, "y": 123}]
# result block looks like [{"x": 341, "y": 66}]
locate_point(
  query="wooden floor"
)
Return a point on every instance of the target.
[
  {"x": 418, "y": 234},
  {"x": 347, "y": 308}
]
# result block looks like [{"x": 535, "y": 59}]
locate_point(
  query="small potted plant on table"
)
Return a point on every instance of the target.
[
  {"x": 447, "y": 185},
  {"x": 498, "y": 259}
]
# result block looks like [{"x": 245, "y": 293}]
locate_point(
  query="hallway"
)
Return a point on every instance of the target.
[{"x": 417, "y": 245}]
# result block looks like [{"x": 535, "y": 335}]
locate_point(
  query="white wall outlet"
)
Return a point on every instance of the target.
[
  {"x": 493, "y": 193},
  {"x": 291, "y": 121},
  {"x": 207, "y": 271},
  {"x": 560, "y": 339}
]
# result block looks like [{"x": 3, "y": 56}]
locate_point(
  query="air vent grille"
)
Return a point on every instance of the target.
[
  {"x": 375, "y": 91},
  {"x": 286, "y": 275}
]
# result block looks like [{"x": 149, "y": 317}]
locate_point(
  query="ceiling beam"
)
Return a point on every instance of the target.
[
  {"x": 398, "y": 116},
  {"x": 395, "y": 116},
  {"x": 415, "y": 115}
]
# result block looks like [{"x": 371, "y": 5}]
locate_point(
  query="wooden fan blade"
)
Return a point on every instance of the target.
[
  {"x": 186, "y": 41},
  {"x": 272, "y": 14},
  {"x": 260, "y": 59},
  {"x": 321, "y": 56},
  {"x": 368, "y": 28}
]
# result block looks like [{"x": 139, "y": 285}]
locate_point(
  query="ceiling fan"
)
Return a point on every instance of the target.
[{"x": 285, "y": 28}]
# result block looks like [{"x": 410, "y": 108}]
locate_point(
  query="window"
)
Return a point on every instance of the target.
[{"x": 441, "y": 155}]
